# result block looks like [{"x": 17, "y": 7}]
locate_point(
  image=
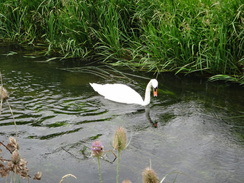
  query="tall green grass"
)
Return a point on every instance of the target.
[
  {"x": 160, "y": 35},
  {"x": 191, "y": 35}
]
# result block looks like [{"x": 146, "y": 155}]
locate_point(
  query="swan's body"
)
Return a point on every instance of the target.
[{"x": 124, "y": 94}]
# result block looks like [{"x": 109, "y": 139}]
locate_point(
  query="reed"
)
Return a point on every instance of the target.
[
  {"x": 190, "y": 35},
  {"x": 179, "y": 35}
]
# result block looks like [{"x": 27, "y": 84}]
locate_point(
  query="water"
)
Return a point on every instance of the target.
[{"x": 193, "y": 130}]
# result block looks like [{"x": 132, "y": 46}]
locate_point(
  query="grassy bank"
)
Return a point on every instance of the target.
[{"x": 160, "y": 35}]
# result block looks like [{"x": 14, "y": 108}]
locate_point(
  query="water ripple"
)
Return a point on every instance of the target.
[{"x": 58, "y": 115}]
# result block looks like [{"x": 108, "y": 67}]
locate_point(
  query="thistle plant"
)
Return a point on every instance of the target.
[
  {"x": 65, "y": 176},
  {"x": 97, "y": 151},
  {"x": 126, "y": 181},
  {"x": 16, "y": 164},
  {"x": 37, "y": 176},
  {"x": 3, "y": 93},
  {"x": 149, "y": 176},
  {"x": 119, "y": 144}
]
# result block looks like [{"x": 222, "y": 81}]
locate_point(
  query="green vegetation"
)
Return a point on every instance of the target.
[{"x": 160, "y": 35}]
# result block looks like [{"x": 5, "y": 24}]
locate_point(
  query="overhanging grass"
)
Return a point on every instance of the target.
[{"x": 160, "y": 35}]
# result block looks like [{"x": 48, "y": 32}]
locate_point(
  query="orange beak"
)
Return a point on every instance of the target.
[{"x": 155, "y": 92}]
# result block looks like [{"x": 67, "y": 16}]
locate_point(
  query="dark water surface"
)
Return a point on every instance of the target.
[{"x": 199, "y": 135}]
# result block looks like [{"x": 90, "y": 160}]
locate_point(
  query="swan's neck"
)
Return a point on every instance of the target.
[{"x": 147, "y": 94}]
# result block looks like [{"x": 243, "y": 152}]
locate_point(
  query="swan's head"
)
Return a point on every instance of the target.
[{"x": 154, "y": 84}]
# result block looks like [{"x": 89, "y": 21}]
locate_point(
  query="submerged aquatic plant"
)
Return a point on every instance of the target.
[{"x": 227, "y": 78}]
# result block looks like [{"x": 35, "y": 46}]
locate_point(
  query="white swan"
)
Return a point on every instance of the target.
[{"x": 124, "y": 94}]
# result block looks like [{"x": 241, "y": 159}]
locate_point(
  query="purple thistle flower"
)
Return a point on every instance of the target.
[{"x": 97, "y": 149}]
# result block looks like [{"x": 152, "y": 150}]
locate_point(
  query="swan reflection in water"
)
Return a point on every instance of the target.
[{"x": 147, "y": 113}]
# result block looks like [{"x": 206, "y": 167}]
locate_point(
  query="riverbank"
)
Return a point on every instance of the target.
[{"x": 176, "y": 36}]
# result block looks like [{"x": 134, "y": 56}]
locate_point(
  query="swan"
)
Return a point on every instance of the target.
[{"x": 124, "y": 94}]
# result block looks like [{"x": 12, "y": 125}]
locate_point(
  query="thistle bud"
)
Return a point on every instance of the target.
[
  {"x": 149, "y": 176},
  {"x": 119, "y": 141},
  {"x": 38, "y": 176},
  {"x": 12, "y": 145},
  {"x": 3, "y": 93},
  {"x": 97, "y": 149},
  {"x": 15, "y": 157},
  {"x": 126, "y": 181}
]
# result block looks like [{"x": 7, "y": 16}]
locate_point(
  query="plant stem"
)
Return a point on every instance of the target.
[
  {"x": 99, "y": 170},
  {"x": 118, "y": 167}
]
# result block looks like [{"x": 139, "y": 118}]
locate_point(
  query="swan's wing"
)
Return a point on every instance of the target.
[{"x": 118, "y": 93}]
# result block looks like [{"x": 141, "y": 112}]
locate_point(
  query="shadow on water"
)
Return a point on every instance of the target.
[{"x": 193, "y": 127}]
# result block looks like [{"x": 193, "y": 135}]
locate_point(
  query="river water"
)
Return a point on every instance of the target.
[{"x": 192, "y": 132}]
